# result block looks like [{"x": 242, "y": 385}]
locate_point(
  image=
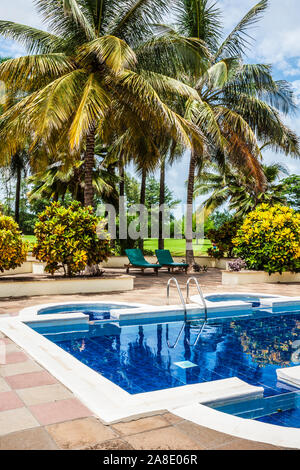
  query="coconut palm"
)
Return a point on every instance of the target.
[
  {"x": 237, "y": 189},
  {"x": 239, "y": 104},
  {"x": 83, "y": 79}
]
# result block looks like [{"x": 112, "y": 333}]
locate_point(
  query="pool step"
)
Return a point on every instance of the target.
[{"x": 260, "y": 407}]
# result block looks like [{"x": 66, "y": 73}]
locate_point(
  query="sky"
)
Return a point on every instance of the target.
[{"x": 277, "y": 42}]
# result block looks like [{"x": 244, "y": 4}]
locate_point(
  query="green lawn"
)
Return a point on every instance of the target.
[
  {"x": 177, "y": 247},
  {"x": 31, "y": 239}
]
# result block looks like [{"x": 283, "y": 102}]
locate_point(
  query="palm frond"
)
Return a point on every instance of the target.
[
  {"x": 92, "y": 106},
  {"x": 239, "y": 39},
  {"x": 34, "y": 40},
  {"x": 115, "y": 52}
]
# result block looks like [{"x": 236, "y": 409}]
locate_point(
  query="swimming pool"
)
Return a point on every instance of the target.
[{"x": 138, "y": 359}]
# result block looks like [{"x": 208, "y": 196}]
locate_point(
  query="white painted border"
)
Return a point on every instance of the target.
[{"x": 115, "y": 404}]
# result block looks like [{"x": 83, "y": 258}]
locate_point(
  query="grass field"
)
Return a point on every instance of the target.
[{"x": 176, "y": 247}]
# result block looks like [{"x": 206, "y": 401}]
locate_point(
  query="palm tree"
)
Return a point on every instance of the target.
[
  {"x": 239, "y": 104},
  {"x": 84, "y": 79},
  {"x": 18, "y": 167},
  {"x": 237, "y": 188}
]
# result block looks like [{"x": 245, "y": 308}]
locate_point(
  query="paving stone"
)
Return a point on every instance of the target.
[
  {"x": 44, "y": 394},
  {"x": 10, "y": 401},
  {"x": 207, "y": 437},
  {"x": 4, "y": 387},
  {"x": 33, "y": 379},
  {"x": 167, "y": 439},
  {"x": 15, "y": 357},
  {"x": 242, "y": 444},
  {"x": 140, "y": 425},
  {"x": 80, "y": 434},
  {"x": 19, "y": 368},
  {"x": 172, "y": 419},
  {"x": 16, "y": 420},
  {"x": 59, "y": 411},
  {"x": 115, "y": 444},
  {"x": 32, "y": 439}
]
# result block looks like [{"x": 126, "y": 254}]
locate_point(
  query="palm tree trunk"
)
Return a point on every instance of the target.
[
  {"x": 18, "y": 195},
  {"x": 89, "y": 162},
  {"x": 143, "y": 200},
  {"x": 189, "y": 211},
  {"x": 161, "y": 242}
]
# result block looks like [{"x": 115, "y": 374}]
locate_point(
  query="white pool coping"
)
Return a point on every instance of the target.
[
  {"x": 276, "y": 303},
  {"x": 113, "y": 404}
]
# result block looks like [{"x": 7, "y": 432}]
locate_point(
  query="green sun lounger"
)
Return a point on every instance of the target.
[
  {"x": 165, "y": 259},
  {"x": 137, "y": 260}
]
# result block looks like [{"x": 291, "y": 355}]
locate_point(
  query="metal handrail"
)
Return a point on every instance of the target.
[
  {"x": 184, "y": 308},
  {"x": 199, "y": 291},
  {"x": 179, "y": 292}
]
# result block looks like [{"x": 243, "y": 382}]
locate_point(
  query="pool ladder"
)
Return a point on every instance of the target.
[{"x": 173, "y": 279}]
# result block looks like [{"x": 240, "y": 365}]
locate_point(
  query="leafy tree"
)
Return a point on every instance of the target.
[
  {"x": 87, "y": 77},
  {"x": 269, "y": 239},
  {"x": 291, "y": 190},
  {"x": 71, "y": 238},
  {"x": 239, "y": 104},
  {"x": 13, "y": 249},
  {"x": 238, "y": 189}
]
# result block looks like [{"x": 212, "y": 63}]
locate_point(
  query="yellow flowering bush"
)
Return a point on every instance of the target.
[
  {"x": 71, "y": 238},
  {"x": 269, "y": 239},
  {"x": 13, "y": 249}
]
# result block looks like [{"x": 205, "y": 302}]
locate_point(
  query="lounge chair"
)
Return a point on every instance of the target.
[
  {"x": 137, "y": 260},
  {"x": 165, "y": 259}
]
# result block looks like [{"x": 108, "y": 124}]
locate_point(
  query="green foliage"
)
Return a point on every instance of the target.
[
  {"x": 292, "y": 191},
  {"x": 133, "y": 189},
  {"x": 269, "y": 239},
  {"x": 222, "y": 238},
  {"x": 71, "y": 238},
  {"x": 13, "y": 249}
]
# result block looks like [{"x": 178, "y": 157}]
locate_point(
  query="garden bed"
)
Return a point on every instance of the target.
[
  {"x": 257, "y": 277},
  {"x": 21, "y": 286}
]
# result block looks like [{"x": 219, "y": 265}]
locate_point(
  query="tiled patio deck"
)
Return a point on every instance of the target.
[{"x": 37, "y": 412}]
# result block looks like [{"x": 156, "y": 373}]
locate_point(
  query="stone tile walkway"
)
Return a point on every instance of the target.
[{"x": 37, "y": 412}]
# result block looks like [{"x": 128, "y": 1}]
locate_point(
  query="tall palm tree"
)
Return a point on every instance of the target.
[
  {"x": 84, "y": 78},
  {"x": 237, "y": 188},
  {"x": 239, "y": 104}
]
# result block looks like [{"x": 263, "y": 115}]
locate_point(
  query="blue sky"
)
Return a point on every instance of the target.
[{"x": 277, "y": 42}]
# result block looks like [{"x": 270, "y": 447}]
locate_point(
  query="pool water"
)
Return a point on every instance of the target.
[{"x": 138, "y": 359}]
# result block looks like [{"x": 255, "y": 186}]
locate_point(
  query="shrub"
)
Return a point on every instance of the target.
[
  {"x": 237, "y": 265},
  {"x": 222, "y": 238},
  {"x": 269, "y": 239},
  {"x": 71, "y": 238},
  {"x": 13, "y": 249}
]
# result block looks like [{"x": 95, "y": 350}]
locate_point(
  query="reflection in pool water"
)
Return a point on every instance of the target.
[{"x": 138, "y": 359}]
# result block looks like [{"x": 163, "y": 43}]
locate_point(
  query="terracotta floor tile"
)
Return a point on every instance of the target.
[
  {"x": 44, "y": 394},
  {"x": 80, "y": 434},
  {"x": 16, "y": 420},
  {"x": 59, "y": 411},
  {"x": 4, "y": 387},
  {"x": 33, "y": 379},
  {"x": 10, "y": 401},
  {"x": 15, "y": 357},
  {"x": 8, "y": 370},
  {"x": 31, "y": 439}
]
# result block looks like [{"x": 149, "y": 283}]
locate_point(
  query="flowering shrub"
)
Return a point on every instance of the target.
[
  {"x": 237, "y": 265},
  {"x": 13, "y": 250},
  {"x": 269, "y": 239},
  {"x": 70, "y": 238}
]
